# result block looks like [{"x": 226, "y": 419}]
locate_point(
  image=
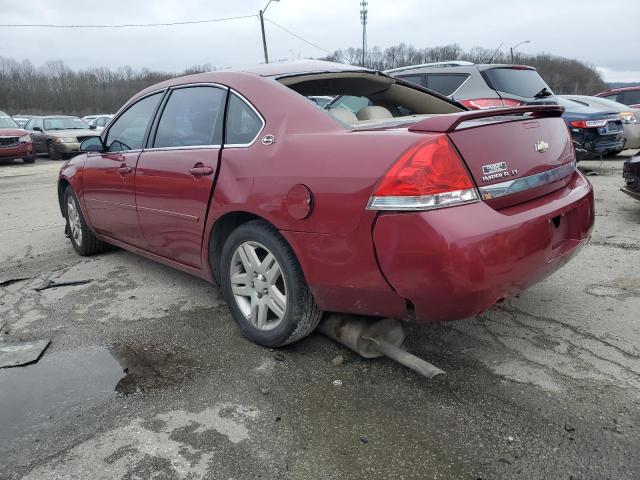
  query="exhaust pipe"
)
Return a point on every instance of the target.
[{"x": 373, "y": 339}]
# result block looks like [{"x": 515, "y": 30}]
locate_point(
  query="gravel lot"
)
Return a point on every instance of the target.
[{"x": 146, "y": 375}]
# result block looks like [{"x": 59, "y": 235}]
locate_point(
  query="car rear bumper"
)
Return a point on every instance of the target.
[
  {"x": 21, "y": 150},
  {"x": 589, "y": 141},
  {"x": 456, "y": 262}
]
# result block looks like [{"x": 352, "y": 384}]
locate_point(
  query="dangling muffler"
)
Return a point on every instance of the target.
[{"x": 375, "y": 338}]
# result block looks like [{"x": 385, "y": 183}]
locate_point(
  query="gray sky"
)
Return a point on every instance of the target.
[{"x": 602, "y": 34}]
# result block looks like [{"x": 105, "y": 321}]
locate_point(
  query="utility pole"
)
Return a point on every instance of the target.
[
  {"x": 264, "y": 40},
  {"x": 264, "y": 37},
  {"x": 363, "y": 18}
]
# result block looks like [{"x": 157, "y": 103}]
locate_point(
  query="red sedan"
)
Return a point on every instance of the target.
[
  {"x": 390, "y": 201},
  {"x": 14, "y": 141}
]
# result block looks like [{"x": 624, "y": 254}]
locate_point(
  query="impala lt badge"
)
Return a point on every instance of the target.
[
  {"x": 494, "y": 171},
  {"x": 541, "y": 146}
]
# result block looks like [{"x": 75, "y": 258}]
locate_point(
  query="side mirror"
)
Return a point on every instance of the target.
[
  {"x": 92, "y": 144},
  {"x": 92, "y": 127},
  {"x": 37, "y": 129}
]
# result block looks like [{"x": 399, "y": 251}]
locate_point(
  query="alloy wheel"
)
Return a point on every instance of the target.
[
  {"x": 73, "y": 217},
  {"x": 258, "y": 285}
]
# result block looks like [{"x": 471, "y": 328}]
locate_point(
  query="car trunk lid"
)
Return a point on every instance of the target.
[{"x": 513, "y": 154}]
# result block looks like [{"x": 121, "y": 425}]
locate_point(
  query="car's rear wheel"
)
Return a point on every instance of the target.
[
  {"x": 31, "y": 159},
  {"x": 82, "y": 238},
  {"x": 53, "y": 152},
  {"x": 264, "y": 286}
]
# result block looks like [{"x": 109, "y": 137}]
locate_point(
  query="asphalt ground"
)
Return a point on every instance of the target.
[{"x": 147, "y": 376}]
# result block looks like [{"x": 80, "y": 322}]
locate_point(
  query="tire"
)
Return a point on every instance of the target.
[
  {"x": 255, "y": 291},
  {"x": 53, "y": 152},
  {"x": 82, "y": 238},
  {"x": 615, "y": 152},
  {"x": 29, "y": 159}
]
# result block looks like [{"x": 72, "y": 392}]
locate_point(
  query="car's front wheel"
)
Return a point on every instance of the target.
[
  {"x": 264, "y": 286},
  {"x": 30, "y": 159},
  {"x": 53, "y": 152},
  {"x": 82, "y": 238}
]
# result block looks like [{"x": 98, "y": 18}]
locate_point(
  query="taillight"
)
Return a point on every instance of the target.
[
  {"x": 484, "y": 103},
  {"x": 589, "y": 123},
  {"x": 429, "y": 175}
]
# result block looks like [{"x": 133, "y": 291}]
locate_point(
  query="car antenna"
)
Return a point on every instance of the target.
[{"x": 496, "y": 52}]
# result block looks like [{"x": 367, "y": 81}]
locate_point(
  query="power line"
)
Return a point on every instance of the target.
[
  {"x": 127, "y": 25},
  {"x": 298, "y": 36}
]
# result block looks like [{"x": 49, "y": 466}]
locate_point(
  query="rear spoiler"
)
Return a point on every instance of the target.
[{"x": 448, "y": 122}]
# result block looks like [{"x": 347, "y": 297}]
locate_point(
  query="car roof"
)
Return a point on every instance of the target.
[
  {"x": 52, "y": 116},
  {"x": 456, "y": 64},
  {"x": 272, "y": 70},
  {"x": 620, "y": 89},
  {"x": 297, "y": 68}
]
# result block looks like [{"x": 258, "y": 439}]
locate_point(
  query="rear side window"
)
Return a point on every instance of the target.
[
  {"x": 192, "y": 117},
  {"x": 243, "y": 123},
  {"x": 521, "y": 82},
  {"x": 128, "y": 131},
  {"x": 631, "y": 97},
  {"x": 417, "y": 79},
  {"x": 615, "y": 97},
  {"x": 445, "y": 84}
]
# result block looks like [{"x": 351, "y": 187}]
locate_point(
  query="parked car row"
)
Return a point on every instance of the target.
[
  {"x": 98, "y": 121},
  {"x": 604, "y": 124},
  {"x": 59, "y": 136}
]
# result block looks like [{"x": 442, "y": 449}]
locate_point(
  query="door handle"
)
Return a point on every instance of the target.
[
  {"x": 200, "y": 171},
  {"x": 124, "y": 170}
]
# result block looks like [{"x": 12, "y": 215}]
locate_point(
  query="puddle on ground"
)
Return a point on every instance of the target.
[{"x": 65, "y": 383}]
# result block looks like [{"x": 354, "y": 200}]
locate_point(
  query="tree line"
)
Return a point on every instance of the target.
[
  {"x": 563, "y": 75},
  {"x": 54, "y": 88}
]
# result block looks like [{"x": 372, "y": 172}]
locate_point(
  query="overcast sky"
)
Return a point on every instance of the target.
[{"x": 603, "y": 34}]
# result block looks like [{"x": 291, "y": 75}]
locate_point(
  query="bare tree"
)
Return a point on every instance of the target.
[{"x": 564, "y": 75}]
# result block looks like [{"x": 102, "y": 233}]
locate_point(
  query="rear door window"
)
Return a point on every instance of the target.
[
  {"x": 631, "y": 97},
  {"x": 517, "y": 81},
  {"x": 445, "y": 84},
  {"x": 130, "y": 128},
  {"x": 192, "y": 117},
  {"x": 243, "y": 123}
]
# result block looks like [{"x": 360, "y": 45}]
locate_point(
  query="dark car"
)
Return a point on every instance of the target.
[
  {"x": 631, "y": 175},
  {"x": 595, "y": 132},
  {"x": 59, "y": 136},
  {"x": 14, "y": 141},
  {"x": 237, "y": 178},
  {"x": 480, "y": 86},
  {"x": 627, "y": 95}
]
